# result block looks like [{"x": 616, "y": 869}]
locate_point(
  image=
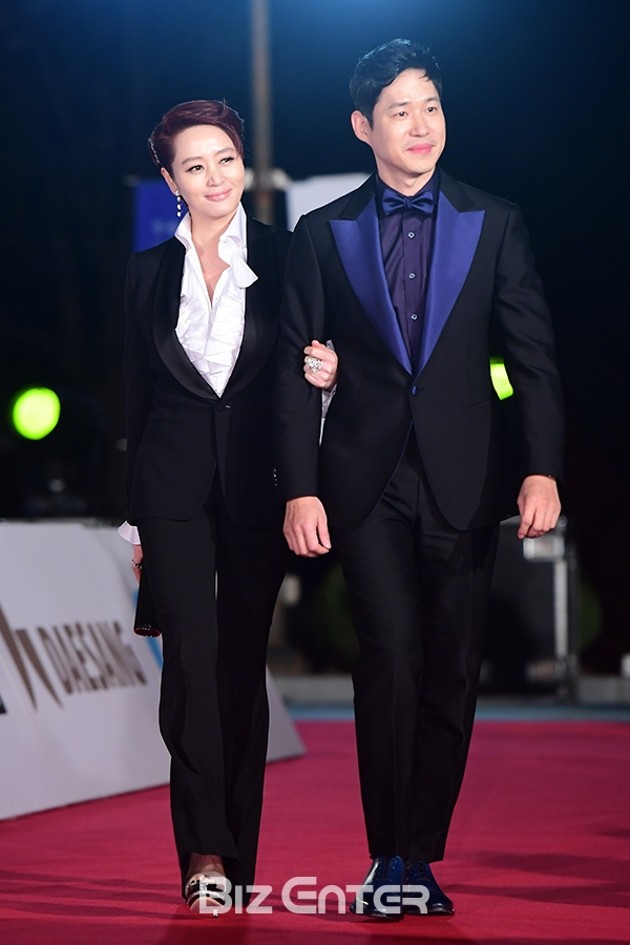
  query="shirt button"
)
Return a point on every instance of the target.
[
  {"x": 412, "y": 275},
  {"x": 411, "y": 235},
  {"x": 414, "y": 317}
]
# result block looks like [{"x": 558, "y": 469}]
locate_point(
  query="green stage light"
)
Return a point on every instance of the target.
[
  {"x": 35, "y": 412},
  {"x": 500, "y": 379}
]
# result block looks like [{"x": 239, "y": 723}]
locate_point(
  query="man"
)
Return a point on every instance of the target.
[{"x": 409, "y": 276}]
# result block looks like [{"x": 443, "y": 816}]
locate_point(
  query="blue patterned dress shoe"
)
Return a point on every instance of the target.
[
  {"x": 380, "y": 894},
  {"x": 422, "y": 886}
]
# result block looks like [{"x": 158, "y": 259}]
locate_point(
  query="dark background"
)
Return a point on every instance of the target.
[{"x": 536, "y": 99}]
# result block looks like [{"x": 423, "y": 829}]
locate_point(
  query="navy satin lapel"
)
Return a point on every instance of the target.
[
  {"x": 359, "y": 245},
  {"x": 166, "y": 313},
  {"x": 454, "y": 246}
]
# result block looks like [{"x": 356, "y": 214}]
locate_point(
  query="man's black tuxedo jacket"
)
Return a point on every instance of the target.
[
  {"x": 179, "y": 432},
  {"x": 482, "y": 279}
]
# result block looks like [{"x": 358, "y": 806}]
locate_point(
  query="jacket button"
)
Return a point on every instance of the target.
[{"x": 414, "y": 391}]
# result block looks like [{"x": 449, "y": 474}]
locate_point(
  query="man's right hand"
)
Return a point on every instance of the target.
[{"x": 306, "y": 527}]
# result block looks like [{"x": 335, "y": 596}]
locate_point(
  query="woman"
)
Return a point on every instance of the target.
[{"x": 201, "y": 314}]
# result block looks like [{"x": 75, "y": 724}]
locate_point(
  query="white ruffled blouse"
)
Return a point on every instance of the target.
[{"x": 211, "y": 330}]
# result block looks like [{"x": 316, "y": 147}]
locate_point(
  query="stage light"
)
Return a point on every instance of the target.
[
  {"x": 500, "y": 379},
  {"x": 35, "y": 412}
]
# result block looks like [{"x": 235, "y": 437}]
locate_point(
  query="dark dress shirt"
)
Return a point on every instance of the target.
[{"x": 406, "y": 242}]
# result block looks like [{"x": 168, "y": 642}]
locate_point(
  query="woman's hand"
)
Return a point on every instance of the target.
[
  {"x": 320, "y": 365},
  {"x": 136, "y": 561}
]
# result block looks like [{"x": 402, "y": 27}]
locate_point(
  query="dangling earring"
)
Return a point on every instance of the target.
[{"x": 178, "y": 197}]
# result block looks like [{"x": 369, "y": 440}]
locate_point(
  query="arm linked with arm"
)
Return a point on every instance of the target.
[{"x": 297, "y": 403}]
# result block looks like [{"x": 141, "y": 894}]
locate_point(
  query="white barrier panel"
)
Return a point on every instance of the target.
[
  {"x": 78, "y": 689},
  {"x": 302, "y": 196}
]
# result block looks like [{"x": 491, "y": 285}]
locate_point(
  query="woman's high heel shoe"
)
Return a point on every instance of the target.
[{"x": 206, "y": 895}]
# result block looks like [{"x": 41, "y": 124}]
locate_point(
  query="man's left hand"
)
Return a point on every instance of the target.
[{"x": 539, "y": 505}]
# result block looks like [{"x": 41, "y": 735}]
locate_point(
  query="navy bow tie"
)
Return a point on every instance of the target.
[{"x": 394, "y": 202}]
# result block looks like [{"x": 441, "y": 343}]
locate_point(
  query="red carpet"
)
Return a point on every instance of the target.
[{"x": 539, "y": 852}]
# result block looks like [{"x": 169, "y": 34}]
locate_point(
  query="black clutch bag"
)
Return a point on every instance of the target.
[{"x": 145, "y": 622}]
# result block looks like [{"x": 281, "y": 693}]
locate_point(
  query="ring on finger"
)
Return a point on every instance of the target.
[{"x": 315, "y": 364}]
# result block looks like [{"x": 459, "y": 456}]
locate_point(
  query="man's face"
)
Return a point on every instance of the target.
[{"x": 408, "y": 131}]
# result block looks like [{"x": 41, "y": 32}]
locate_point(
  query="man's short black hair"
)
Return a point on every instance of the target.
[{"x": 378, "y": 69}]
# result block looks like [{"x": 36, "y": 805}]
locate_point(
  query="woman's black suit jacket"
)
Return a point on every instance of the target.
[{"x": 179, "y": 431}]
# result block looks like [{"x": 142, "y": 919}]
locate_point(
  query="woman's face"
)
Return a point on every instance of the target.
[{"x": 208, "y": 172}]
